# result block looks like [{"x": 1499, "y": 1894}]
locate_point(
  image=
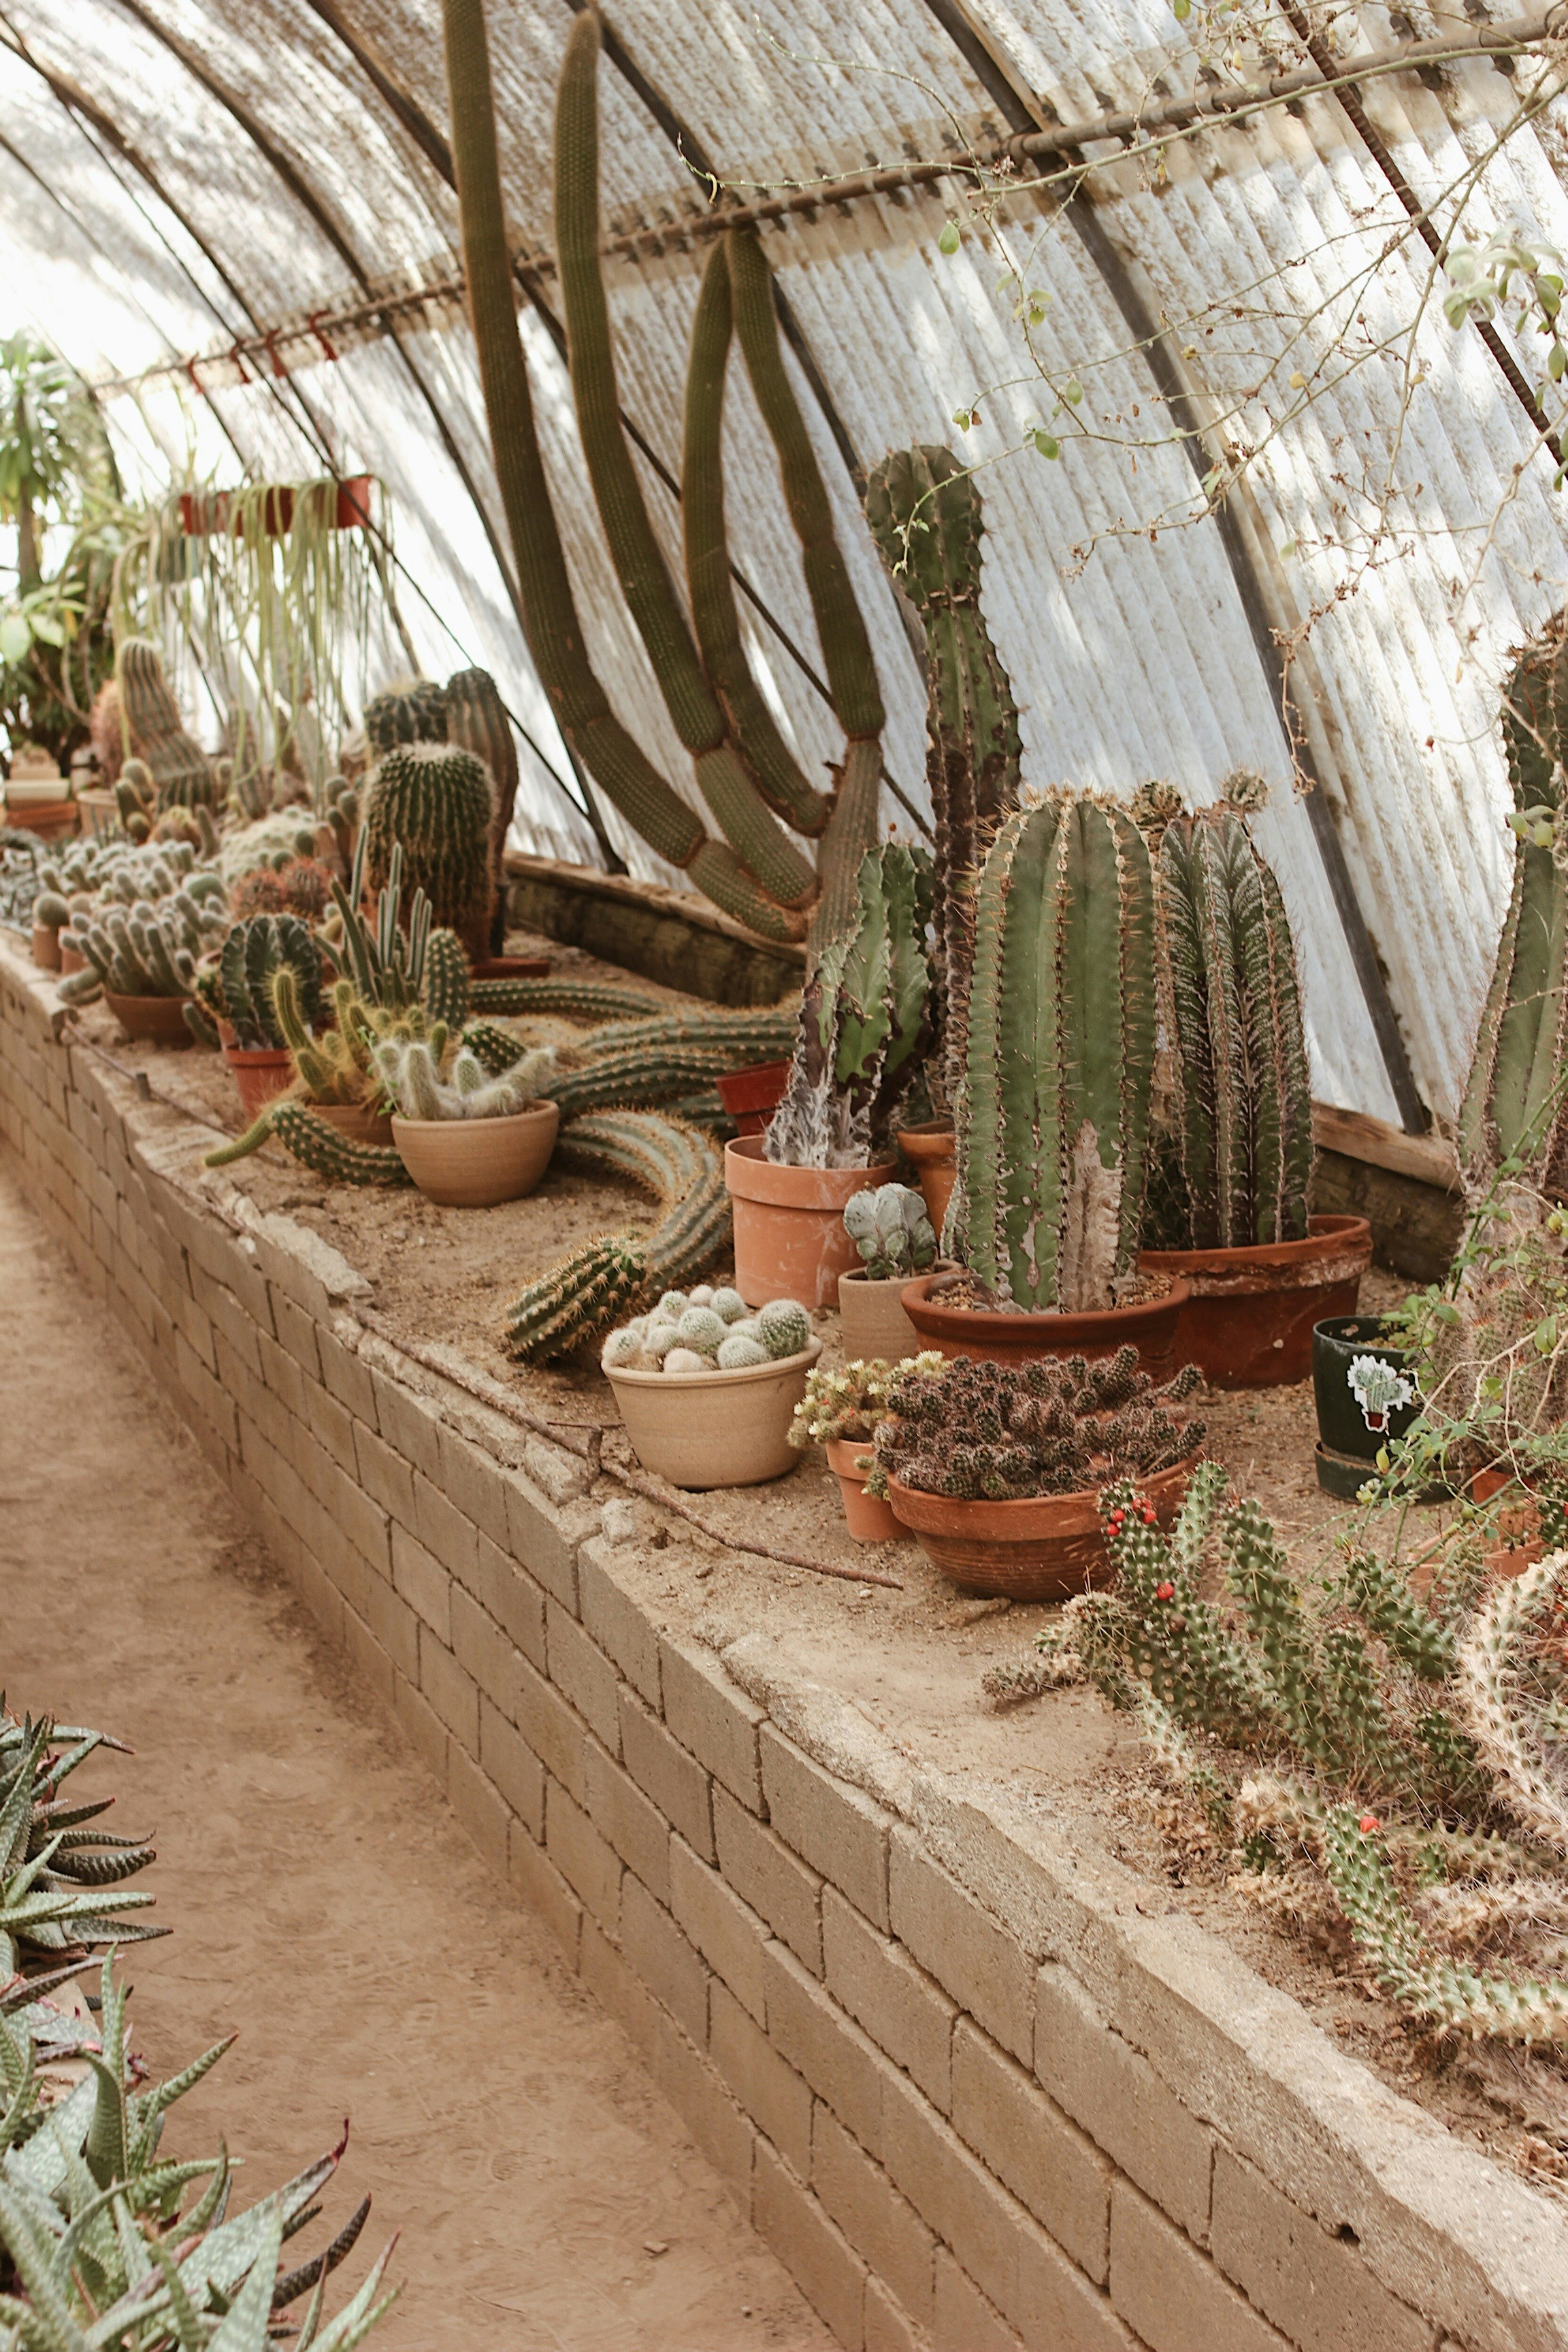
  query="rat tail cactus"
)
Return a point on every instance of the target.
[
  {"x": 1053, "y": 1117},
  {"x": 1234, "y": 1166}
]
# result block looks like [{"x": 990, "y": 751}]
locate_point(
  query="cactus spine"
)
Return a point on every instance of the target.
[
  {"x": 477, "y": 721},
  {"x": 1054, "y": 1112},
  {"x": 1235, "y": 1166},
  {"x": 179, "y": 766},
  {"x": 439, "y": 802},
  {"x": 1513, "y": 1105},
  {"x": 925, "y": 513}
]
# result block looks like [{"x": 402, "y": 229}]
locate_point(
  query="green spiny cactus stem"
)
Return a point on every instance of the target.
[
  {"x": 862, "y": 1019},
  {"x": 146, "y": 950},
  {"x": 577, "y": 1300},
  {"x": 317, "y": 1145},
  {"x": 566, "y": 999},
  {"x": 413, "y": 712},
  {"x": 437, "y": 804},
  {"x": 180, "y": 767},
  {"x": 1515, "y": 1107},
  {"x": 393, "y": 965},
  {"x": 1054, "y": 1112},
  {"x": 239, "y": 988},
  {"x": 477, "y": 721},
  {"x": 925, "y": 513},
  {"x": 447, "y": 985},
  {"x": 633, "y": 1065},
  {"x": 1233, "y": 1166}
]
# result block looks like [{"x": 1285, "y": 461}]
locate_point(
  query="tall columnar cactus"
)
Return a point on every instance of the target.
[
  {"x": 1234, "y": 1164},
  {"x": 925, "y": 513},
  {"x": 414, "y": 713},
  {"x": 862, "y": 1019},
  {"x": 756, "y": 873},
  {"x": 477, "y": 721},
  {"x": 1053, "y": 1114},
  {"x": 181, "y": 769},
  {"x": 437, "y": 804},
  {"x": 1514, "y": 1103}
]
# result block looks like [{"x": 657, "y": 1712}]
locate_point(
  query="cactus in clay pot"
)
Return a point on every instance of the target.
[
  {"x": 1053, "y": 1117},
  {"x": 888, "y": 1226},
  {"x": 1233, "y": 1163},
  {"x": 436, "y": 803},
  {"x": 925, "y": 514},
  {"x": 181, "y": 771}
]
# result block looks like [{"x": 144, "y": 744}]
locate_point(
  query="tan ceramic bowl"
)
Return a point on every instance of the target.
[
  {"x": 703, "y": 1430},
  {"x": 473, "y": 1163}
]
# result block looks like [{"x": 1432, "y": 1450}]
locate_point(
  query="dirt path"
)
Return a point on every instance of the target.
[{"x": 325, "y": 1902}]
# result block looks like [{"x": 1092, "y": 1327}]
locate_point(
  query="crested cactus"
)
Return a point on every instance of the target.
[
  {"x": 925, "y": 514},
  {"x": 413, "y": 712},
  {"x": 1053, "y": 1114},
  {"x": 238, "y": 987},
  {"x": 1234, "y": 1165},
  {"x": 890, "y": 1228},
  {"x": 862, "y": 1019},
  {"x": 180, "y": 769},
  {"x": 476, "y": 722},
  {"x": 1515, "y": 1107},
  {"x": 436, "y": 803}
]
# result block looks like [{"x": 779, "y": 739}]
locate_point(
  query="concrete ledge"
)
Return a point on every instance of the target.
[{"x": 977, "y": 2087}]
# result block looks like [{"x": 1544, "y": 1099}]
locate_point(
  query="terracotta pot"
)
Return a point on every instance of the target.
[
  {"x": 702, "y": 1430},
  {"x": 71, "y": 959},
  {"x": 873, "y": 1318},
  {"x": 931, "y": 1150},
  {"x": 1021, "y": 1338},
  {"x": 869, "y": 1520},
  {"x": 790, "y": 1241},
  {"x": 47, "y": 946},
  {"x": 259, "y": 1073},
  {"x": 159, "y": 1019},
  {"x": 473, "y": 1163},
  {"x": 48, "y": 819},
  {"x": 1249, "y": 1322},
  {"x": 752, "y": 1095},
  {"x": 506, "y": 967},
  {"x": 1041, "y": 1549},
  {"x": 353, "y": 1120}
]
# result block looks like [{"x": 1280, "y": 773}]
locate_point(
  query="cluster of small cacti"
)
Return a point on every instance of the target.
[
  {"x": 153, "y": 915},
  {"x": 300, "y": 886},
  {"x": 1004, "y": 1432},
  {"x": 707, "y": 1330},
  {"x": 180, "y": 771},
  {"x": 852, "y": 1402},
  {"x": 1235, "y": 1163},
  {"x": 1391, "y": 1758},
  {"x": 436, "y": 803},
  {"x": 420, "y": 1084},
  {"x": 391, "y": 964},
  {"x": 238, "y": 986},
  {"x": 888, "y": 1226},
  {"x": 337, "y": 1067}
]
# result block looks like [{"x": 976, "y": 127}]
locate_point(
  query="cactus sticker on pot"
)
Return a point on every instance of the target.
[{"x": 1379, "y": 1390}]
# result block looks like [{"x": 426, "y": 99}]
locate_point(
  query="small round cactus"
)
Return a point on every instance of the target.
[
  {"x": 702, "y": 1296},
  {"x": 701, "y": 1328},
  {"x": 737, "y": 1353},
  {"x": 659, "y": 1340},
  {"x": 622, "y": 1350},
  {"x": 672, "y": 1305},
  {"x": 784, "y": 1327},
  {"x": 686, "y": 1360},
  {"x": 729, "y": 1306}
]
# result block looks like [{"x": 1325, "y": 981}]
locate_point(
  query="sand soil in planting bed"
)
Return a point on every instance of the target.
[
  {"x": 325, "y": 1902},
  {"x": 910, "y": 1659}
]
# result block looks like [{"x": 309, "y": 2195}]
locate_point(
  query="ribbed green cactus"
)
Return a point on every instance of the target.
[
  {"x": 1054, "y": 1110},
  {"x": 925, "y": 513},
  {"x": 633, "y": 1065},
  {"x": 1233, "y": 1166},
  {"x": 437, "y": 803},
  {"x": 180, "y": 767},
  {"x": 413, "y": 712},
  {"x": 393, "y": 965},
  {"x": 239, "y": 988},
  {"x": 566, "y": 998},
  {"x": 862, "y": 1019},
  {"x": 580, "y": 1299},
  {"x": 1514, "y": 1106},
  {"x": 477, "y": 721},
  {"x": 146, "y": 950}
]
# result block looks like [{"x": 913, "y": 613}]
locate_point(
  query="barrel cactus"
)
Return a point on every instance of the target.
[
  {"x": 1233, "y": 1163},
  {"x": 437, "y": 801},
  {"x": 1053, "y": 1116},
  {"x": 413, "y": 712},
  {"x": 476, "y": 722}
]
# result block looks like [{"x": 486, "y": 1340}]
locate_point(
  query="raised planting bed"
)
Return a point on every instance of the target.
[{"x": 980, "y": 2058}]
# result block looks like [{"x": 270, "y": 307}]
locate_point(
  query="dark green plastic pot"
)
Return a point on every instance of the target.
[{"x": 1345, "y": 1427}]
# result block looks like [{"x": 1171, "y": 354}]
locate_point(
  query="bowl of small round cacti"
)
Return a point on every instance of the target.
[{"x": 707, "y": 1388}]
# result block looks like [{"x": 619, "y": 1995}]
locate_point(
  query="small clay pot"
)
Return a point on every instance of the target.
[
  {"x": 1248, "y": 1323},
  {"x": 353, "y": 1120},
  {"x": 790, "y": 1241},
  {"x": 45, "y": 947},
  {"x": 1041, "y": 1549},
  {"x": 702, "y": 1430},
  {"x": 752, "y": 1095},
  {"x": 932, "y": 1149},
  {"x": 71, "y": 959},
  {"x": 872, "y": 1315},
  {"x": 160, "y": 1019},
  {"x": 473, "y": 1163},
  {"x": 505, "y": 966},
  {"x": 869, "y": 1520},
  {"x": 260, "y": 1073},
  {"x": 1009, "y": 1337}
]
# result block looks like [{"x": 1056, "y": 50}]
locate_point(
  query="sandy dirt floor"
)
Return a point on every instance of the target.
[{"x": 326, "y": 1904}]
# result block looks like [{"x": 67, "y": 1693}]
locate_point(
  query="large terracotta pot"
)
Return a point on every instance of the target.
[
  {"x": 353, "y": 1120},
  {"x": 161, "y": 1020},
  {"x": 473, "y": 1163},
  {"x": 872, "y": 1314},
  {"x": 1249, "y": 1321},
  {"x": 702, "y": 1430},
  {"x": 752, "y": 1095},
  {"x": 1041, "y": 1549},
  {"x": 790, "y": 1241},
  {"x": 1021, "y": 1338},
  {"x": 930, "y": 1149},
  {"x": 868, "y": 1517},
  {"x": 260, "y": 1073}
]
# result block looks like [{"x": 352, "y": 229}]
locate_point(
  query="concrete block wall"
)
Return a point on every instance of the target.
[{"x": 978, "y": 2092}]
